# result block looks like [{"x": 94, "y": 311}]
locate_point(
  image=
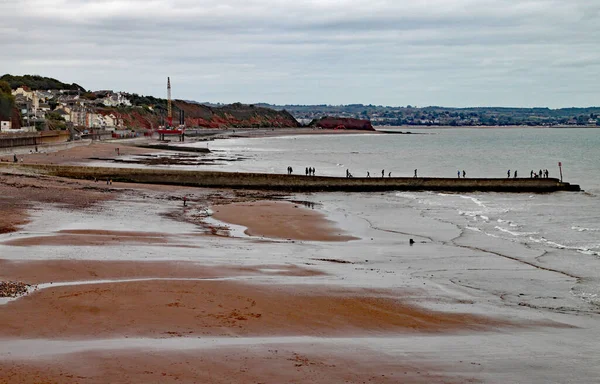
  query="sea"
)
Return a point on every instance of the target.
[{"x": 564, "y": 220}]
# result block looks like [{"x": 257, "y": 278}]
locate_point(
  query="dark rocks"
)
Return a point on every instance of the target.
[{"x": 13, "y": 288}]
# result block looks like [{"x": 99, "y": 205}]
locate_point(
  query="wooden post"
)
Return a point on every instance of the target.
[{"x": 560, "y": 169}]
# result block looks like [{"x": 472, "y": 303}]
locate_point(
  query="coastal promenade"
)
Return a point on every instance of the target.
[{"x": 292, "y": 183}]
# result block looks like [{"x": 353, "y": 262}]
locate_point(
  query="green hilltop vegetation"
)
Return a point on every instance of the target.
[
  {"x": 7, "y": 101},
  {"x": 36, "y": 82}
]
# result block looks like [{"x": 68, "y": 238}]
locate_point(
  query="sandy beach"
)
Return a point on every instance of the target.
[{"x": 129, "y": 285}]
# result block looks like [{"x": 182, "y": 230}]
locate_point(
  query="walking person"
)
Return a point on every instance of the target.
[
  {"x": 458, "y": 174},
  {"x": 464, "y": 174},
  {"x": 508, "y": 174},
  {"x": 415, "y": 173},
  {"x": 531, "y": 174},
  {"x": 390, "y": 174},
  {"x": 383, "y": 173},
  {"x": 368, "y": 174},
  {"x": 515, "y": 173},
  {"x": 306, "y": 171}
]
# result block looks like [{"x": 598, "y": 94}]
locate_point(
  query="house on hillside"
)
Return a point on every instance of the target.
[
  {"x": 62, "y": 113},
  {"x": 115, "y": 100},
  {"x": 78, "y": 116},
  {"x": 23, "y": 91}
]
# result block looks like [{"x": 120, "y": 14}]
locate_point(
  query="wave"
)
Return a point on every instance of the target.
[
  {"x": 514, "y": 233},
  {"x": 584, "y": 229},
  {"x": 510, "y": 223}
]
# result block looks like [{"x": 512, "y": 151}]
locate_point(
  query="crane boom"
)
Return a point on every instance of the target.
[{"x": 169, "y": 104}]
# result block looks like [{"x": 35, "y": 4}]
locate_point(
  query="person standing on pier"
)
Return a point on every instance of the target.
[
  {"x": 415, "y": 173},
  {"x": 508, "y": 174},
  {"x": 306, "y": 171},
  {"x": 383, "y": 173},
  {"x": 368, "y": 174},
  {"x": 464, "y": 174},
  {"x": 515, "y": 173},
  {"x": 458, "y": 174}
]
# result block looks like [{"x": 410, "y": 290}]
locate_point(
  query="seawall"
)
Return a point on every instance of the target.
[{"x": 293, "y": 183}]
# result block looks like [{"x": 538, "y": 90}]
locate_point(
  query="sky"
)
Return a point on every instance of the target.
[{"x": 455, "y": 53}]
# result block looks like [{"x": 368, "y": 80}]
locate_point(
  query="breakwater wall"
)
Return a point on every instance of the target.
[{"x": 293, "y": 183}]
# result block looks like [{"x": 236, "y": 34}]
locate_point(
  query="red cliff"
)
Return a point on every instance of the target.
[{"x": 342, "y": 123}]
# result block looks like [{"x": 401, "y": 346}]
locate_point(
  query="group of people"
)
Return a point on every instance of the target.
[
  {"x": 542, "y": 174},
  {"x": 348, "y": 174},
  {"x": 310, "y": 171},
  {"x": 464, "y": 174}
]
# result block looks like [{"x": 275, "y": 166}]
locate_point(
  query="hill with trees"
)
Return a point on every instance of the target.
[{"x": 36, "y": 82}]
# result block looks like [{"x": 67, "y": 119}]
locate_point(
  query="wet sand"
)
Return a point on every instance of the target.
[
  {"x": 174, "y": 308},
  {"x": 254, "y": 364},
  {"x": 81, "y": 153},
  {"x": 281, "y": 219},
  {"x": 46, "y": 271}
]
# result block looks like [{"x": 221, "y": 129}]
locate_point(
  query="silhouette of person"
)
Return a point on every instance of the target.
[
  {"x": 368, "y": 174},
  {"x": 390, "y": 174},
  {"x": 531, "y": 174},
  {"x": 306, "y": 171},
  {"x": 382, "y": 172},
  {"x": 515, "y": 173},
  {"x": 464, "y": 174},
  {"x": 508, "y": 174},
  {"x": 415, "y": 173},
  {"x": 458, "y": 174}
]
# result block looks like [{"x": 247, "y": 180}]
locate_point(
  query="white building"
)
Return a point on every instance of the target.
[{"x": 115, "y": 100}]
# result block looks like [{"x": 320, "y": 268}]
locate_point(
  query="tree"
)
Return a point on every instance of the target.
[{"x": 5, "y": 87}]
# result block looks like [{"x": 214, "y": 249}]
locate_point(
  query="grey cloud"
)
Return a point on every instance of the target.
[{"x": 440, "y": 52}]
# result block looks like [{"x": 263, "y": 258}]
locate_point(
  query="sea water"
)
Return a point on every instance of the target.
[{"x": 564, "y": 220}]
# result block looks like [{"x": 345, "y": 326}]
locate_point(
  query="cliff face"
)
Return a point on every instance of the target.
[
  {"x": 197, "y": 115},
  {"x": 342, "y": 123},
  {"x": 234, "y": 115}
]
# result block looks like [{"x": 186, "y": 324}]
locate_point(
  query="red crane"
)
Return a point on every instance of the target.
[
  {"x": 169, "y": 130},
  {"x": 169, "y": 105}
]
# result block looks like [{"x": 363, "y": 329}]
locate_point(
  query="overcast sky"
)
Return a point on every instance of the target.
[{"x": 389, "y": 52}]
